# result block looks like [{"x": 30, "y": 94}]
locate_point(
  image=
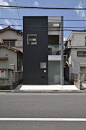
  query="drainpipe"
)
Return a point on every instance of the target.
[{"x": 62, "y": 54}]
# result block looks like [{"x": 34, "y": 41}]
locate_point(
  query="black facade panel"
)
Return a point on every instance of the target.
[{"x": 35, "y": 54}]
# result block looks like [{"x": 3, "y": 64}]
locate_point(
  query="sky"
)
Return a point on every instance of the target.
[{"x": 67, "y": 14}]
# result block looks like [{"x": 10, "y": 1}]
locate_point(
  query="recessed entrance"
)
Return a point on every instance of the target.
[{"x": 53, "y": 72}]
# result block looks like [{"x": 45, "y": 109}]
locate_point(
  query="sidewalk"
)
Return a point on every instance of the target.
[{"x": 42, "y": 88}]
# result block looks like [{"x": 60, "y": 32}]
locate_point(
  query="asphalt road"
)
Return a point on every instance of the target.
[
  {"x": 27, "y": 105},
  {"x": 42, "y": 105},
  {"x": 42, "y": 126}
]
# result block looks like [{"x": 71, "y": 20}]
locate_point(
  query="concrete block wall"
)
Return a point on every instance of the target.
[
  {"x": 6, "y": 83},
  {"x": 14, "y": 79}
]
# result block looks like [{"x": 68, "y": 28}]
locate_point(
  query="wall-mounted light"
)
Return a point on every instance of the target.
[{"x": 55, "y": 25}]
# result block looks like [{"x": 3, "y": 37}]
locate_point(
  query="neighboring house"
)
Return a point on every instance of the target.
[
  {"x": 10, "y": 65},
  {"x": 43, "y": 50},
  {"x": 10, "y": 56},
  {"x": 75, "y": 55},
  {"x": 12, "y": 37}
]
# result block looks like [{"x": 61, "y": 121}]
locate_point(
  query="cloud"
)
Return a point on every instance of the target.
[
  {"x": 64, "y": 39},
  {"x": 3, "y": 2},
  {"x": 7, "y": 22},
  {"x": 1, "y": 27},
  {"x": 65, "y": 2},
  {"x": 36, "y": 3},
  {"x": 80, "y": 13}
]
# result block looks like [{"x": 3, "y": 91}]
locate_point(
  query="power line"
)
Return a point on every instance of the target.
[
  {"x": 18, "y": 12},
  {"x": 55, "y": 30},
  {"x": 19, "y": 20},
  {"x": 12, "y": 18},
  {"x": 49, "y": 19},
  {"x": 38, "y": 26},
  {"x": 27, "y": 7}
]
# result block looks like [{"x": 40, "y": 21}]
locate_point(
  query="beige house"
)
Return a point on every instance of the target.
[
  {"x": 10, "y": 57},
  {"x": 75, "y": 54},
  {"x": 10, "y": 66},
  {"x": 12, "y": 37}
]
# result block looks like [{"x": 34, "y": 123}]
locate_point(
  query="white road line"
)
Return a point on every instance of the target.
[
  {"x": 44, "y": 94},
  {"x": 45, "y": 119}
]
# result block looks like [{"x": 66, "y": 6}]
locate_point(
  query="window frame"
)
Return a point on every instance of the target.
[
  {"x": 83, "y": 55},
  {"x": 34, "y": 35},
  {"x": 85, "y": 41},
  {"x": 9, "y": 42},
  {"x": 43, "y": 65}
]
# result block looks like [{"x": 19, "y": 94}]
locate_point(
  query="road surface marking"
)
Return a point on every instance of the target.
[
  {"x": 45, "y": 119},
  {"x": 44, "y": 94}
]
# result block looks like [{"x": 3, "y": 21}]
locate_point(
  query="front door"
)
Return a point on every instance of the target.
[{"x": 53, "y": 72}]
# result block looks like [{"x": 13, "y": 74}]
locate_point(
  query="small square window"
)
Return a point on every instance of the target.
[
  {"x": 80, "y": 53},
  {"x": 32, "y": 39},
  {"x": 12, "y": 43},
  {"x": 43, "y": 65},
  {"x": 6, "y": 42}
]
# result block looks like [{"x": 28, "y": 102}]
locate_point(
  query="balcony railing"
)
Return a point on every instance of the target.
[{"x": 54, "y": 49}]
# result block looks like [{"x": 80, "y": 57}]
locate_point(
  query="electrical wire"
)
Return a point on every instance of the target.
[
  {"x": 28, "y": 7},
  {"x": 71, "y": 20},
  {"x": 38, "y": 26}
]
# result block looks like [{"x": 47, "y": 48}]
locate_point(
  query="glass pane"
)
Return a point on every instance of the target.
[
  {"x": 85, "y": 39},
  {"x": 12, "y": 43},
  {"x": 43, "y": 65},
  {"x": 53, "y": 39},
  {"x": 6, "y": 42},
  {"x": 84, "y": 53},
  {"x": 80, "y": 53},
  {"x": 31, "y": 40},
  {"x": 54, "y": 49}
]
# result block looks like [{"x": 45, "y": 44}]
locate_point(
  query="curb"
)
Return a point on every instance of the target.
[
  {"x": 49, "y": 91},
  {"x": 6, "y": 91}
]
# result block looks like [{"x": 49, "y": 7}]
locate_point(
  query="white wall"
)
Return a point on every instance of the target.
[
  {"x": 12, "y": 58},
  {"x": 75, "y": 57},
  {"x": 79, "y": 39},
  {"x": 76, "y": 62}
]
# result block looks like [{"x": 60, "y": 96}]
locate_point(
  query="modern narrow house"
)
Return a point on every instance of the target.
[
  {"x": 75, "y": 55},
  {"x": 43, "y": 50}
]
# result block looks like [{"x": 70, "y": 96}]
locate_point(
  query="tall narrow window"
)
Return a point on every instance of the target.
[
  {"x": 85, "y": 41},
  {"x": 32, "y": 39}
]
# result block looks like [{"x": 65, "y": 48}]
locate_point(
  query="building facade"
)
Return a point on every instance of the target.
[
  {"x": 12, "y": 37},
  {"x": 43, "y": 50},
  {"x": 75, "y": 51},
  {"x": 11, "y": 73}
]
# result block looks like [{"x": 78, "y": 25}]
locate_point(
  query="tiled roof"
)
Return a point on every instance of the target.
[
  {"x": 12, "y": 29},
  {"x": 11, "y": 48}
]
